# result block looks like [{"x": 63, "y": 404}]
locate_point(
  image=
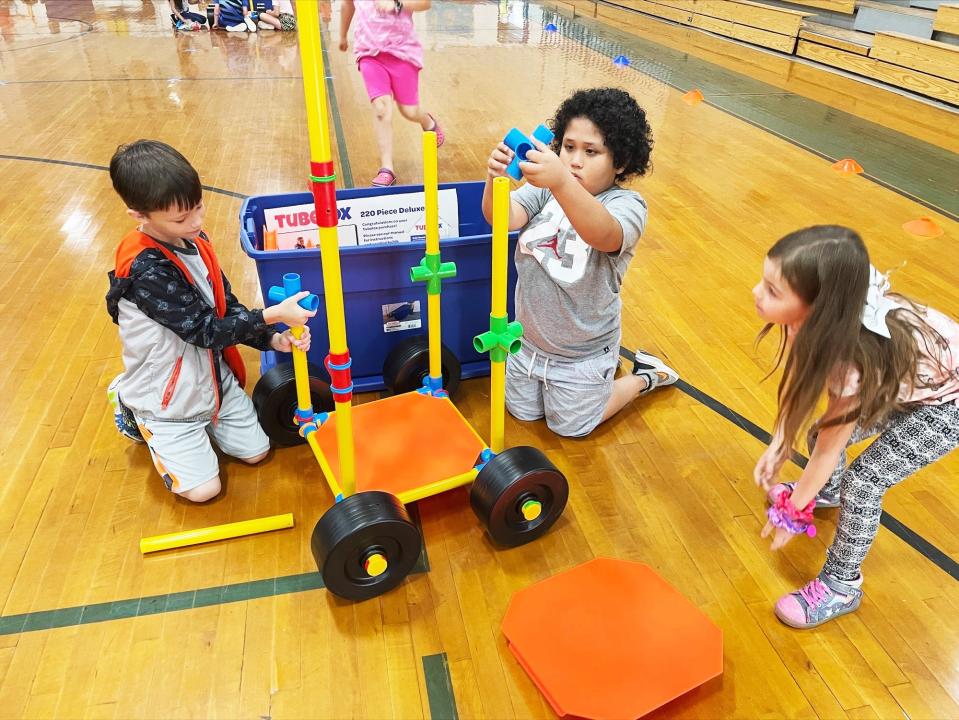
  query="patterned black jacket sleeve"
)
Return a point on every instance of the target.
[
  {"x": 261, "y": 341},
  {"x": 160, "y": 290}
]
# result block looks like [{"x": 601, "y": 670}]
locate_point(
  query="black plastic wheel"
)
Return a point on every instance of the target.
[
  {"x": 350, "y": 532},
  {"x": 409, "y": 362},
  {"x": 274, "y": 398},
  {"x": 510, "y": 480}
]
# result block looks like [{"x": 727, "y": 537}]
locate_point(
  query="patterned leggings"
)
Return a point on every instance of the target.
[{"x": 908, "y": 442}]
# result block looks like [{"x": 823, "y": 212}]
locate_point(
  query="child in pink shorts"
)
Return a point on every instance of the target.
[{"x": 389, "y": 57}]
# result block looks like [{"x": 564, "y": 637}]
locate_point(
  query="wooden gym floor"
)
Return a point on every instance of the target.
[{"x": 239, "y": 629}]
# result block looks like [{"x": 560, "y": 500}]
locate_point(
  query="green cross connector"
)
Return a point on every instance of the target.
[
  {"x": 501, "y": 339},
  {"x": 432, "y": 272}
]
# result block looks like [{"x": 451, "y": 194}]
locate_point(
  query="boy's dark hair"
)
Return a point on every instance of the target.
[
  {"x": 621, "y": 121},
  {"x": 150, "y": 175}
]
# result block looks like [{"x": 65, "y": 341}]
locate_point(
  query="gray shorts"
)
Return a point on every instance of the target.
[
  {"x": 182, "y": 452},
  {"x": 571, "y": 395}
]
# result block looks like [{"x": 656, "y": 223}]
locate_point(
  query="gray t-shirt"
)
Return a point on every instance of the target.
[
  {"x": 567, "y": 292},
  {"x": 194, "y": 263},
  {"x": 190, "y": 257}
]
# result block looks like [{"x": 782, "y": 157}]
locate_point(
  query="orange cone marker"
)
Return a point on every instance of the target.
[
  {"x": 693, "y": 97},
  {"x": 923, "y": 227},
  {"x": 847, "y": 166}
]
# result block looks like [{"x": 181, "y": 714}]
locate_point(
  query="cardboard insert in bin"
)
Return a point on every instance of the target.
[{"x": 382, "y": 235}]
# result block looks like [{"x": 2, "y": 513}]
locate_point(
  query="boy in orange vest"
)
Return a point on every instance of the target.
[{"x": 183, "y": 377}]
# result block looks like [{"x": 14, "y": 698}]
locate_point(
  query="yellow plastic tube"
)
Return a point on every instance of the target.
[
  {"x": 301, "y": 373},
  {"x": 431, "y": 198},
  {"x": 500, "y": 251},
  {"x": 317, "y": 123},
  {"x": 217, "y": 532}
]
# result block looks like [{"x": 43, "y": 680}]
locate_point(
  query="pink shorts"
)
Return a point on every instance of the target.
[{"x": 386, "y": 74}]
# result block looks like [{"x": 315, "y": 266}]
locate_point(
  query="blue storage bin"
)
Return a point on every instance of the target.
[{"x": 378, "y": 275}]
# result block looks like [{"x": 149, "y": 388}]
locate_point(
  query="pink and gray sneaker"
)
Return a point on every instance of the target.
[
  {"x": 820, "y": 601},
  {"x": 823, "y": 500}
]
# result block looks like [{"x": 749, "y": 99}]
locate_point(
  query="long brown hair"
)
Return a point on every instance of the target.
[{"x": 827, "y": 266}]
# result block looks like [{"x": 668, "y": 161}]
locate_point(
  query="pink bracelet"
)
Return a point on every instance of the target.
[{"x": 783, "y": 514}]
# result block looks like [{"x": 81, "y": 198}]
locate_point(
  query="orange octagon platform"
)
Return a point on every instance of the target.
[{"x": 611, "y": 639}]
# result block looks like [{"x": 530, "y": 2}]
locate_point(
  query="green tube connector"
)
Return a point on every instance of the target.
[
  {"x": 501, "y": 339},
  {"x": 432, "y": 272}
]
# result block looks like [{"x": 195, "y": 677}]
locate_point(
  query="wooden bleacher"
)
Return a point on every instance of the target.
[
  {"x": 922, "y": 66},
  {"x": 848, "y": 40},
  {"x": 772, "y": 27},
  {"x": 928, "y": 56},
  {"x": 947, "y": 19},
  {"x": 846, "y": 7},
  {"x": 916, "y": 64}
]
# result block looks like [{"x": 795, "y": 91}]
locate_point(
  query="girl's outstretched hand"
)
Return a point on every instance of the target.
[
  {"x": 766, "y": 473},
  {"x": 780, "y": 536}
]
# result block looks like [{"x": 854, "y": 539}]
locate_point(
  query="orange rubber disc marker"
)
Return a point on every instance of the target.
[
  {"x": 610, "y": 639},
  {"x": 693, "y": 97},
  {"x": 847, "y": 166},
  {"x": 923, "y": 227}
]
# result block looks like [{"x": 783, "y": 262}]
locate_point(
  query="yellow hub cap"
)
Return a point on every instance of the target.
[
  {"x": 375, "y": 565},
  {"x": 531, "y": 509}
]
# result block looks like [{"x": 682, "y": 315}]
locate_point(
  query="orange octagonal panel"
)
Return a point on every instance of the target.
[{"x": 611, "y": 639}]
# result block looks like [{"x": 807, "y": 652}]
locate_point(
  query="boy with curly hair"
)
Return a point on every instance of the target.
[{"x": 579, "y": 232}]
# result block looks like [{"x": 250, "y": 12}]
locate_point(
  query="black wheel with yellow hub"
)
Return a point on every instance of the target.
[
  {"x": 518, "y": 495},
  {"x": 365, "y": 545}
]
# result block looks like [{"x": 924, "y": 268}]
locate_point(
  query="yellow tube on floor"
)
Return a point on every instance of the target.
[{"x": 217, "y": 532}]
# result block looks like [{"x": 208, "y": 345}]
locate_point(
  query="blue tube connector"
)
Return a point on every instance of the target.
[
  {"x": 291, "y": 286},
  {"x": 520, "y": 145}
]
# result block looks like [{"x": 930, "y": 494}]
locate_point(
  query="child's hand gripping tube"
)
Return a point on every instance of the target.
[
  {"x": 303, "y": 417},
  {"x": 520, "y": 145}
]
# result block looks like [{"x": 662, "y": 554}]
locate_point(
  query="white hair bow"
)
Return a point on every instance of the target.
[{"x": 877, "y": 304}]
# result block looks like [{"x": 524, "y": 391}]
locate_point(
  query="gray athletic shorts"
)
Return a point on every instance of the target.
[
  {"x": 182, "y": 451},
  {"x": 571, "y": 395}
]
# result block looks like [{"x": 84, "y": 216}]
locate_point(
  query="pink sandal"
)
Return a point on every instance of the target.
[
  {"x": 384, "y": 178},
  {"x": 440, "y": 135}
]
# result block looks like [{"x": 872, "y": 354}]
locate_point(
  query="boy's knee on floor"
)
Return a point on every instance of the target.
[
  {"x": 256, "y": 458},
  {"x": 203, "y": 492},
  {"x": 516, "y": 411},
  {"x": 564, "y": 428}
]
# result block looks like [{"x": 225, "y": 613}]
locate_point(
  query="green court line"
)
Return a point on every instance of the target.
[
  {"x": 153, "y": 604},
  {"x": 439, "y": 687},
  {"x": 906, "y": 165},
  {"x": 346, "y": 172},
  {"x": 171, "y": 602}
]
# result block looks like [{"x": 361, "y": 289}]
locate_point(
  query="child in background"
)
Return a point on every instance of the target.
[
  {"x": 888, "y": 367},
  {"x": 278, "y": 17},
  {"x": 579, "y": 233},
  {"x": 183, "y": 18},
  {"x": 389, "y": 57},
  {"x": 234, "y": 15}
]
